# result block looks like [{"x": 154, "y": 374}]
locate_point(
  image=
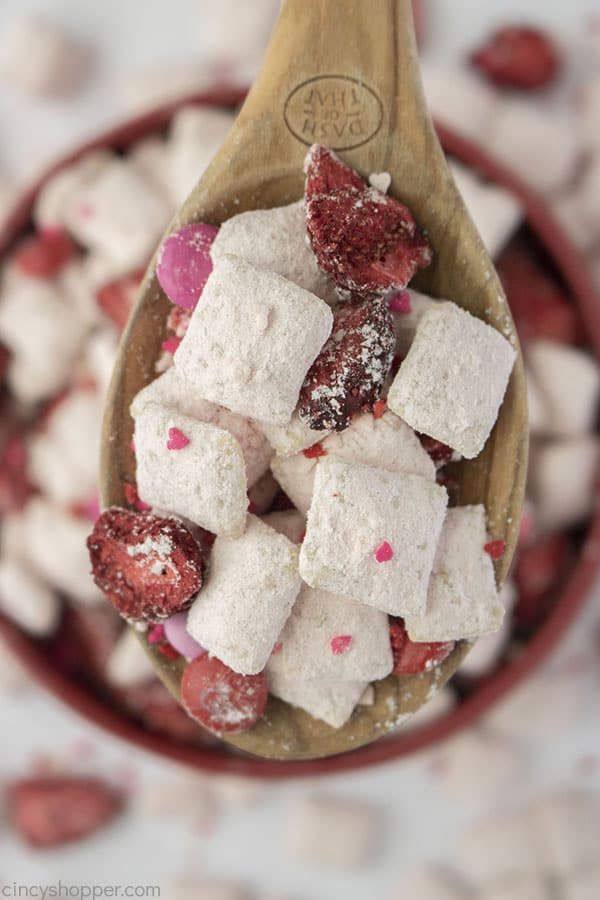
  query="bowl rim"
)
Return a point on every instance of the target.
[{"x": 572, "y": 269}]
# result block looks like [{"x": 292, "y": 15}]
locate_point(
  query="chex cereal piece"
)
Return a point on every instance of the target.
[
  {"x": 252, "y": 340},
  {"x": 567, "y": 823},
  {"x": 54, "y": 197},
  {"x": 487, "y": 650},
  {"x": 248, "y": 595},
  {"x": 568, "y": 380},
  {"x": 523, "y": 887},
  {"x": 118, "y": 214},
  {"x": 275, "y": 240},
  {"x": 289, "y": 522},
  {"x": 428, "y": 883},
  {"x": 63, "y": 457},
  {"x": 128, "y": 662},
  {"x": 331, "y": 701},
  {"x": 499, "y": 849},
  {"x": 495, "y": 211},
  {"x": 149, "y": 567},
  {"x": 333, "y": 637},
  {"x": 563, "y": 475},
  {"x": 405, "y": 323},
  {"x": 40, "y": 59},
  {"x": 292, "y": 437},
  {"x": 205, "y": 481},
  {"x": 336, "y": 832},
  {"x": 582, "y": 885},
  {"x": 100, "y": 355},
  {"x": 44, "y": 334},
  {"x": 27, "y": 600},
  {"x": 55, "y": 548},
  {"x": 451, "y": 384},
  {"x": 462, "y": 600},
  {"x": 384, "y": 443},
  {"x": 195, "y": 135},
  {"x": 356, "y": 509},
  {"x": 170, "y": 392}
]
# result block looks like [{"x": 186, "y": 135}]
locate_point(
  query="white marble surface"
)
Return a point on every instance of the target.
[{"x": 422, "y": 822}]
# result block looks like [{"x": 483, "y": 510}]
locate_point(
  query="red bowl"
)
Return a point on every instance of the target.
[{"x": 35, "y": 655}]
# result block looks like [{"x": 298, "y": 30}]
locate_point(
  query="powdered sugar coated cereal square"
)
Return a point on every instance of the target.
[
  {"x": 331, "y": 701},
  {"x": 453, "y": 380},
  {"x": 292, "y": 437},
  {"x": 568, "y": 381},
  {"x": 405, "y": 323},
  {"x": 462, "y": 600},
  {"x": 275, "y": 240},
  {"x": 356, "y": 513},
  {"x": 204, "y": 480},
  {"x": 169, "y": 391},
  {"x": 248, "y": 595},
  {"x": 333, "y": 637},
  {"x": 252, "y": 340}
]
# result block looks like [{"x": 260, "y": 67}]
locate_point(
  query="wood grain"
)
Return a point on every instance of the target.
[{"x": 343, "y": 73}]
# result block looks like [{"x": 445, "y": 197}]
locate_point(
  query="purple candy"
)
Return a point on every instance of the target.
[
  {"x": 177, "y": 636},
  {"x": 184, "y": 263}
]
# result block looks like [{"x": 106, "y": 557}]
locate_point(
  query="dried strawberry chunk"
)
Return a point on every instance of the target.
[
  {"x": 48, "y": 812},
  {"x": 44, "y": 254},
  {"x": 439, "y": 453},
  {"x": 368, "y": 242},
  {"x": 117, "y": 298},
  {"x": 221, "y": 699},
  {"x": 518, "y": 56},
  {"x": 349, "y": 372},
  {"x": 411, "y": 657},
  {"x": 149, "y": 567}
]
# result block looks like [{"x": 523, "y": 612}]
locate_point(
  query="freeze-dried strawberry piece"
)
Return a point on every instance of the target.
[
  {"x": 518, "y": 56},
  {"x": 149, "y": 567},
  {"x": 438, "y": 452},
  {"x": 325, "y": 173},
  {"x": 367, "y": 241},
  {"x": 117, "y": 298},
  {"x": 349, "y": 372},
  {"x": 411, "y": 657},
  {"x": 44, "y": 254},
  {"x": 538, "y": 573},
  {"x": 15, "y": 487},
  {"x": 221, "y": 699},
  {"x": 538, "y": 303},
  {"x": 48, "y": 812}
]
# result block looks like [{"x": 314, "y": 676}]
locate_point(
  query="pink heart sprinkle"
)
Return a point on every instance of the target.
[
  {"x": 171, "y": 344},
  {"x": 157, "y": 634},
  {"x": 384, "y": 553},
  {"x": 184, "y": 263},
  {"x": 177, "y": 439},
  {"x": 277, "y": 649},
  {"x": 340, "y": 644},
  {"x": 400, "y": 302}
]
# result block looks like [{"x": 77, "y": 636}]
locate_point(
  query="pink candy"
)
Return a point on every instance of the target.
[
  {"x": 384, "y": 553},
  {"x": 177, "y": 439},
  {"x": 178, "y": 637},
  {"x": 184, "y": 263},
  {"x": 340, "y": 644},
  {"x": 400, "y": 302}
]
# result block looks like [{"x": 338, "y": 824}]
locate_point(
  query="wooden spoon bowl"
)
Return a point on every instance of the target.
[{"x": 347, "y": 76}]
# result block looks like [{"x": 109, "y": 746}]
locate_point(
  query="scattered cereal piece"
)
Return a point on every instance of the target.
[
  {"x": 452, "y": 382},
  {"x": 496, "y": 212},
  {"x": 292, "y": 437},
  {"x": 562, "y": 483},
  {"x": 27, "y": 600},
  {"x": 353, "y": 507},
  {"x": 247, "y": 598},
  {"x": 335, "y": 832},
  {"x": 252, "y": 340},
  {"x": 184, "y": 263},
  {"x": 462, "y": 600},
  {"x": 128, "y": 662},
  {"x": 149, "y": 567},
  {"x": 568, "y": 824},
  {"x": 219, "y": 698},
  {"x": 331, "y": 701},
  {"x": 195, "y": 135}
]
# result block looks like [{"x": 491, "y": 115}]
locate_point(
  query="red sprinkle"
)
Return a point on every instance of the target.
[
  {"x": 177, "y": 439},
  {"x": 384, "y": 553},
  {"x": 340, "y": 644},
  {"x": 302, "y": 536},
  {"x": 168, "y": 651},
  {"x": 277, "y": 648},
  {"x": 132, "y": 497},
  {"x": 315, "y": 451},
  {"x": 495, "y": 549},
  {"x": 252, "y": 507},
  {"x": 157, "y": 634},
  {"x": 379, "y": 408},
  {"x": 400, "y": 302},
  {"x": 171, "y": 344}
]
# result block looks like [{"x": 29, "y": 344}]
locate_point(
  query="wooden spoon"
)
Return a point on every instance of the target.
[{"x": 344, "y": 74}]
